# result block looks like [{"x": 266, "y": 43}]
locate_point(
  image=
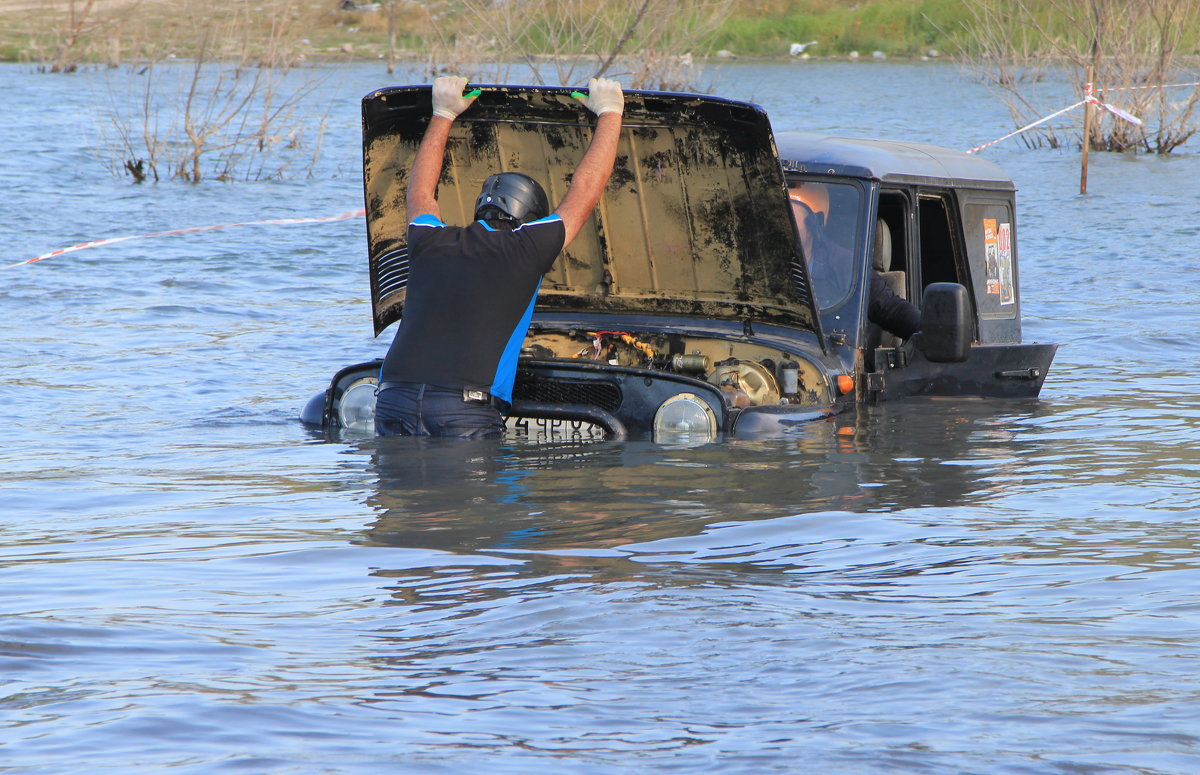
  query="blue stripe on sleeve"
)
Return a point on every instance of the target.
[
  {"x": 425, "y": 219},
  {"x": 551, "y": 218}
]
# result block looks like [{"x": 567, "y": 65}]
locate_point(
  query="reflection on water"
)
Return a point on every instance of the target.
[
  {"x": 887, "y": 588},
  {"x": 192, "y": 583},
  {"x": 455, "y": 497}
]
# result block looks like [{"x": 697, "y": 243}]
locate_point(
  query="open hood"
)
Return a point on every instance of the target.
[{"x": 695, "y": 220}]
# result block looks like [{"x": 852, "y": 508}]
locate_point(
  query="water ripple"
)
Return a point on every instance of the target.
[{"x": 194, "y": 583}]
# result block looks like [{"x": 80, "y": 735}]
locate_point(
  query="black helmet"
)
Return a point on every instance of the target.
[{"x": 511, "y": 196}]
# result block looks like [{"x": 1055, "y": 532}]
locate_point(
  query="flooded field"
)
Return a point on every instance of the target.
[{"x": 195, "y": 583}]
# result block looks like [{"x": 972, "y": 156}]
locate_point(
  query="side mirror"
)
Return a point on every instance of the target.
[{"x": 946, "y": 325}]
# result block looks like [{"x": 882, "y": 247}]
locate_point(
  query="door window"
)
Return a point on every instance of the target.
[
  {"x": 827, "y": 223},
  {"x": 939, "y": 260}
]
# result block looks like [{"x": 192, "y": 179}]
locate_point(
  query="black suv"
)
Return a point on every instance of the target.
[{"x": 689, "y": 307}]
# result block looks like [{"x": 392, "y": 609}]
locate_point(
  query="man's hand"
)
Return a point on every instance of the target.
[
  {"x": 604, "y": 96},
  {"x": 448, "y": 99}
]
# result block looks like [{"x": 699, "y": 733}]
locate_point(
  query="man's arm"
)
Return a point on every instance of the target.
[
  {"x": 448, "y": 103},
  {"x": 606, "y": 99},
  {"x": 426, "y": 170},
  {"x": 890, "y": 311}
]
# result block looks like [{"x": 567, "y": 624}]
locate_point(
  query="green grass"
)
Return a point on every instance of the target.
[
  {"x": 907, "y": 28},
  {"x": 11, "y": 52},
  {"x": 754, "y": 28}
]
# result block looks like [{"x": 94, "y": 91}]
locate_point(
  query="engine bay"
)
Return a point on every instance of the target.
[{"x": 747, "y": 374}]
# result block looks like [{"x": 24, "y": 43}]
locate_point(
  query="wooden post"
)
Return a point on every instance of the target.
[
  {"x": 1097, "y": 33},
  {"x": 1087, "y": 130}
]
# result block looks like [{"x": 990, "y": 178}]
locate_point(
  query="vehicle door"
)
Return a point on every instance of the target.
[{"x": 928, "y": 245}]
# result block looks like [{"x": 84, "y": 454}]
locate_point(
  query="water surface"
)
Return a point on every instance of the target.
[{"x": 194, "y": 583}]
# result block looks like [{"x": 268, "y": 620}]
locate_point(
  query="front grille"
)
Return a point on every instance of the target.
[
  {"x": 391, "y": 272},
  {"x": 800, "y": 280},
  {"x": 543, "y": 390}
]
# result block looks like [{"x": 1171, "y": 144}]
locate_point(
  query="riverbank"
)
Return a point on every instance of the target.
[
  {"x": 111, "y": 31},
  {"x": 108, "y": 32}
]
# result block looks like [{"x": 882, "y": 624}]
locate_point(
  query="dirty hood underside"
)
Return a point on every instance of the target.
[{"x": 695, "y": 220}]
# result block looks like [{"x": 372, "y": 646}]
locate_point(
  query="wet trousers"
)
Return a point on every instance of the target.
[{"x": 415, "y": 409}]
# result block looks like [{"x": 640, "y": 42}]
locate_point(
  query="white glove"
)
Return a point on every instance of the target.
[
  {"x": 604, "y": 96},
  {"x": 448, "y": 99}
]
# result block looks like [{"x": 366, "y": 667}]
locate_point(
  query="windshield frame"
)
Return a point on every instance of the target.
[{"x": 843, "y": 313}]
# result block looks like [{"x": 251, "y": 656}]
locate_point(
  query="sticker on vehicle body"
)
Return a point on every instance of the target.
[
  {"x": 997, "y": 260},
  {"x": 991, "y": 255},
  {"x": 1004, "y": 240}
]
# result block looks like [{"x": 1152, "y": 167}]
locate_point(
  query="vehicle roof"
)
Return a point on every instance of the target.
[{"x": 889, "y": 161}]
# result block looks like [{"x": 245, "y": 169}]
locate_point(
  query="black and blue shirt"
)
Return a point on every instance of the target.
[{"x": 471, "y": 291}]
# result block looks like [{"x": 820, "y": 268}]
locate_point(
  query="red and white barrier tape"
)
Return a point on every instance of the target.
[
  {"x": 1090, "y": 98},
  {"x": 1027, "y": 127},
  {"x": 192, "y": 230},
  {"x": 1153, "y": 86}
]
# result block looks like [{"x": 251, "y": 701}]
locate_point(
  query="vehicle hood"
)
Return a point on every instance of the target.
[{"x": 695, "y": 219}]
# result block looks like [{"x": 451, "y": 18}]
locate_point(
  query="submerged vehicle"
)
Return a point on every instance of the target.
[{"x": 690, "y": 306}]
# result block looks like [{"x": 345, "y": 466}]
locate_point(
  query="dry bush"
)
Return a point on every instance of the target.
[
  {"x": 68, "y": 34},
  {"x": 63, "y": 35},
  {"x": 649, "y": 43},
  {"x": 227, "y": 113},
  {"x": 1131, "y": 46}
]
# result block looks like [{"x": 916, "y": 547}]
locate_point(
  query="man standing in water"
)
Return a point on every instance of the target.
[{"x": 471, "y": 289}]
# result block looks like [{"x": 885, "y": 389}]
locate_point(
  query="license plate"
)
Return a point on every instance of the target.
[{"x": 543, "y": 429}]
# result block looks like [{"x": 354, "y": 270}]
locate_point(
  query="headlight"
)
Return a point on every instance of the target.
[
  {"x": 357, "y": 408},
  {"x": 685, "y": 416}
]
